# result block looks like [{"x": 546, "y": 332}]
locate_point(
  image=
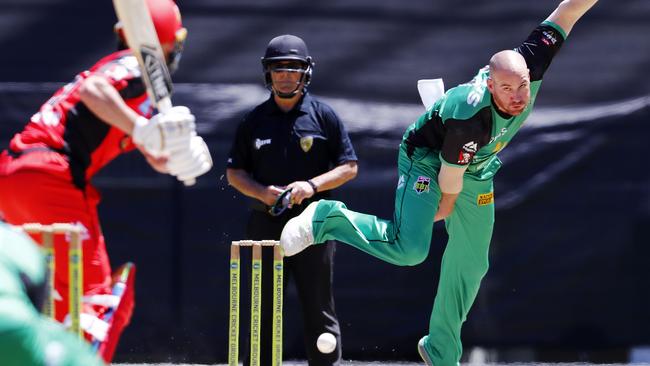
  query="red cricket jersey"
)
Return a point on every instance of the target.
[{"x": 66, "y": 126}]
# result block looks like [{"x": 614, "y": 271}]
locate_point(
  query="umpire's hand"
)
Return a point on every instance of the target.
[
  {"x": 270, "y": 194},
  {"x": 299, "y": 191}
]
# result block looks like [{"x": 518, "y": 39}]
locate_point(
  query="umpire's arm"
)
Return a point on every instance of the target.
[
  {"x": 244, "y": 183},
  {"x": 336, "y": 177},
  {"x": 331, "y": 179}
]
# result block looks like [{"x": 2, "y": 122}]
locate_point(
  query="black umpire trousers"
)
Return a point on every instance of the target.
[{"x": 312, "y": 271}]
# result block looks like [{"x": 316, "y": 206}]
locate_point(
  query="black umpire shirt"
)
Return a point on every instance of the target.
[{"x": 279, "y": 148}]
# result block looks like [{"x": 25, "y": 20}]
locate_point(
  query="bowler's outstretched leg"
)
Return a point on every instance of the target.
[{"x": 404, "y": 240}]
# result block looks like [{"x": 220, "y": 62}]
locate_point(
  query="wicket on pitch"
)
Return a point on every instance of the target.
[
  {"x": 256, "y": 301},
  {"x": 75, "y": 267}
]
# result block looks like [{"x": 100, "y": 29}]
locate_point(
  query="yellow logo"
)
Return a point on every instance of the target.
[
  {"x": 306, "y": 143},
  {"x": 485, "y": 199},
  {"x": 499, "y": 146},
  {"x": 125, "y": 142}
]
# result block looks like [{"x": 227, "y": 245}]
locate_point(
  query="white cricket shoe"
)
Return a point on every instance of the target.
[{"x": 298, "y": 233}]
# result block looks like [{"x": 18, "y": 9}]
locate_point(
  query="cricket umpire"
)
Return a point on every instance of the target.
[{"x": 295, "y": 142}]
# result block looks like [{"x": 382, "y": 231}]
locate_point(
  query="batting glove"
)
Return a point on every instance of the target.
[
  {"x": 165, "y": 132},
  {"x": 187, "y": 164}
]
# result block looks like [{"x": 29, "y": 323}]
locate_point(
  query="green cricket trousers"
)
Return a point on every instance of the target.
[{"x": 405, "y": 239}]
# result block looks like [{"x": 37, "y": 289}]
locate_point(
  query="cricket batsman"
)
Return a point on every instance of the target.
[
  {"x": 447, "y": 161},
  {"x": 45, "y": 174}
]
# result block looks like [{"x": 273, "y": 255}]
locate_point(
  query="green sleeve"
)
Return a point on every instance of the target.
[{"x": 556, "y": 27}]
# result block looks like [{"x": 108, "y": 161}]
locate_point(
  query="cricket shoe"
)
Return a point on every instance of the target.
[
  {"x": 422, "y": 350},
  {"x": 298, "y": 233}
]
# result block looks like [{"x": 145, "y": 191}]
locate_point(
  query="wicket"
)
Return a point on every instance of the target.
[
  {"x": 256, "y": 301},
  {"x": 75, "y": 267}
]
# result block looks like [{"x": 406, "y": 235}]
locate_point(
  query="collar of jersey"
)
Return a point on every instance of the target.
[
  {"x": 302, "y": 105},
  {"x": 503, "y": 115}
]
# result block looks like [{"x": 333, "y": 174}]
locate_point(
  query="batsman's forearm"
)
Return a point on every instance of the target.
[
  {"x": 336, "y": 177},
  {"x": 105, "y": 102},
  {"x": 159, "y": 164}
]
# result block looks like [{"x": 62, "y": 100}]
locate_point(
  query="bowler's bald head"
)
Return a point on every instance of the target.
[{"x": 509, "y": 62}]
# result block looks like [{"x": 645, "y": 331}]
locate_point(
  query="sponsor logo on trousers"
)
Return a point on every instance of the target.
[{"x": 485, "y": 199}]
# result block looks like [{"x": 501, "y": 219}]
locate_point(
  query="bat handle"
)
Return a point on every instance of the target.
[
  {"x": 164, "y": 104},
  {"x": 189, "y": 182}
]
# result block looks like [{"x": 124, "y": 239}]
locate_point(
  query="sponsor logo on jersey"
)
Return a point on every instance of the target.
[
  {"x": 47, "y": 116},
  {"x": 467, "y": 153},
  {"x": 470, "y": 147},
  {"x": 500, "y": 145},
  {"x": 485, "y": 199},
  {"x": 124, "y": 142},
  {"x": 117, "y": 71},
  {"x": 131, "y": 65},
  {"x": 422, "y": 185},
  {"x": 259, "y": 143},
  {"x": 306, "y": 143},
  {"x": 550, "y": 37},
  {"x": 464, "y": 158},
  {"x": 498, "y": 135}
]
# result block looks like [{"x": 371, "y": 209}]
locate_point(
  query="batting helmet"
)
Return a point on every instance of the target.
[
  {"x": 167, "y": 21},
  {"x": 287, "y": 48}
]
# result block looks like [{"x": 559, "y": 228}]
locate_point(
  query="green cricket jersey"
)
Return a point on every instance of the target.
[{"x": 465, "y": 125}]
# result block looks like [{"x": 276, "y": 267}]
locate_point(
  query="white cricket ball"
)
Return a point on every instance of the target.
[{"x": 326, "y": 343}]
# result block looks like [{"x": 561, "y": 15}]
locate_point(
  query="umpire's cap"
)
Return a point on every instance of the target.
[{"x": 286, "y": 47}]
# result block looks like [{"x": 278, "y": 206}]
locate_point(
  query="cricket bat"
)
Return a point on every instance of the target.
[{"x": 142, "y": 39}]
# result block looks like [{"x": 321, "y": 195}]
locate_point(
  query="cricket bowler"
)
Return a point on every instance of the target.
[{"x": 447, "y": 161}]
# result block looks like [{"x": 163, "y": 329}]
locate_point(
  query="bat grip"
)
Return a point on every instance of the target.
[
  {"x": 189, "y": 182},
  {"x": 164, "y": 105}
]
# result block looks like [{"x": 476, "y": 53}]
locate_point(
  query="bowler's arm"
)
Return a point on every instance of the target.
[
  {"x": 569, "y": 11},
  {"x": 450, "y": 181}
]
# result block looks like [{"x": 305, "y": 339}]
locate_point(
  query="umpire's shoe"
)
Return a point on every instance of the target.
[
  {"x": 298, "y": 233},
  {"x": 422, "y": 350}
]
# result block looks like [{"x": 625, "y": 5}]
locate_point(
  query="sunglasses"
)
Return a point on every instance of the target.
[{"x": 288, "y": 67}]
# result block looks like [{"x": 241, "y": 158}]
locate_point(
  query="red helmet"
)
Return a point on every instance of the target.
[{"x": 167, "y": 21}]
